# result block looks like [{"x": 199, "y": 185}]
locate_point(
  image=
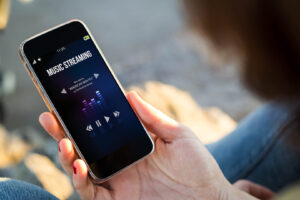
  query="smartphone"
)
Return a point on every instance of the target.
[{"x": 78, "y": 86}]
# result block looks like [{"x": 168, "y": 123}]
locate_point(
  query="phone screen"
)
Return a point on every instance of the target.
[{"x": 87, "y": 98}]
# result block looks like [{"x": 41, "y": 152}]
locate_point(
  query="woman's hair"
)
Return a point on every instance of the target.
[{"x": 265, "y": 33}]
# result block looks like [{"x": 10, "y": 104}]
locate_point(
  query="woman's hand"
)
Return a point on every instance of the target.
[
  {"x": 253, "y": 189},
  {"x": 179, "y": 168}
]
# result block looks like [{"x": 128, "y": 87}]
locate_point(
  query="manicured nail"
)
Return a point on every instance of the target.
[{"x": 74, "y": 169}]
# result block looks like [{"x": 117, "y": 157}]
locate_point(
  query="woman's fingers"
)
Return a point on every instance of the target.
[
  {"x": 157, "y": 122},
  {"x": 82, "y": 184},
  {"x": 77, "y": 169},
  {"x": 84, "y": 187},
  {"x": 67, "y": 155},
  {"x": 51, "y": 125}
]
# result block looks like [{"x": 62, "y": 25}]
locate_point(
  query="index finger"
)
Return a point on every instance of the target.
[{"x": 51, "y": 125}]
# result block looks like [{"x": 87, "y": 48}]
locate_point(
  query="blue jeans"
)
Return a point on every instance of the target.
[
  {"x": 17, "y": 190},
  {"x": 264, "y": 148}
]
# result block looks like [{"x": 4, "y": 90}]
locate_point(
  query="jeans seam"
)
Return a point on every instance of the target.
[{"x": 265, "y": 150}]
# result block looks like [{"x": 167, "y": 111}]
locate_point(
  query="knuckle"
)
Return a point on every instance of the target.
[{"x": 182, "y": 130}]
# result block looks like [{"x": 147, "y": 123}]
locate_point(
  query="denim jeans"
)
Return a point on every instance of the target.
[
  {"x": 19, "y": 190},
  {"x": 264, "y": 148}
]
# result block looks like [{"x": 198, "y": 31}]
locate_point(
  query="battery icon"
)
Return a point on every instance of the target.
[{"x": 87, "y": 37}]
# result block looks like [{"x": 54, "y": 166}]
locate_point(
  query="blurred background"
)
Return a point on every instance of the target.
[{"x": 149, "y": 47}]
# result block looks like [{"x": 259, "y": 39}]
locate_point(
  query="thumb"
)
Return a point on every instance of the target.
[{"x": 155, "y": 121}]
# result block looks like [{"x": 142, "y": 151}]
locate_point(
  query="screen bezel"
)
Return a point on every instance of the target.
[{"x": 60, "y": 36}]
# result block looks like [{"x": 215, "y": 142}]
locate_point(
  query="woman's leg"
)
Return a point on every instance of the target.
[
  {"x": 14, "y": 189},
  {"x": 264, "y": 148}
]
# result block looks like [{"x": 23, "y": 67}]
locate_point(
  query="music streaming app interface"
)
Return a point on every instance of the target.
[{"x": 86, "y": 96}]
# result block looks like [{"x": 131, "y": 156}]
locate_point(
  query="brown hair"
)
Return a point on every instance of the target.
[{"x": 266, "y": 33}]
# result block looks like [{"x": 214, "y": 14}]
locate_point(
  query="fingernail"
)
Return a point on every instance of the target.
[
  {"x": 74, "y": 169},
  {"x": 44, "y": 118}
]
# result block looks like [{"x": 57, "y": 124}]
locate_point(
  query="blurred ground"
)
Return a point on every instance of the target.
[{"x": 144, "y": 40}]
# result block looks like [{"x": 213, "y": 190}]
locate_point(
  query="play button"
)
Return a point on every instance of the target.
[
  {"x": 96, "y": 75},
  {"x": 106, "y": 118},
  {"x": 63, "y": 91}
]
